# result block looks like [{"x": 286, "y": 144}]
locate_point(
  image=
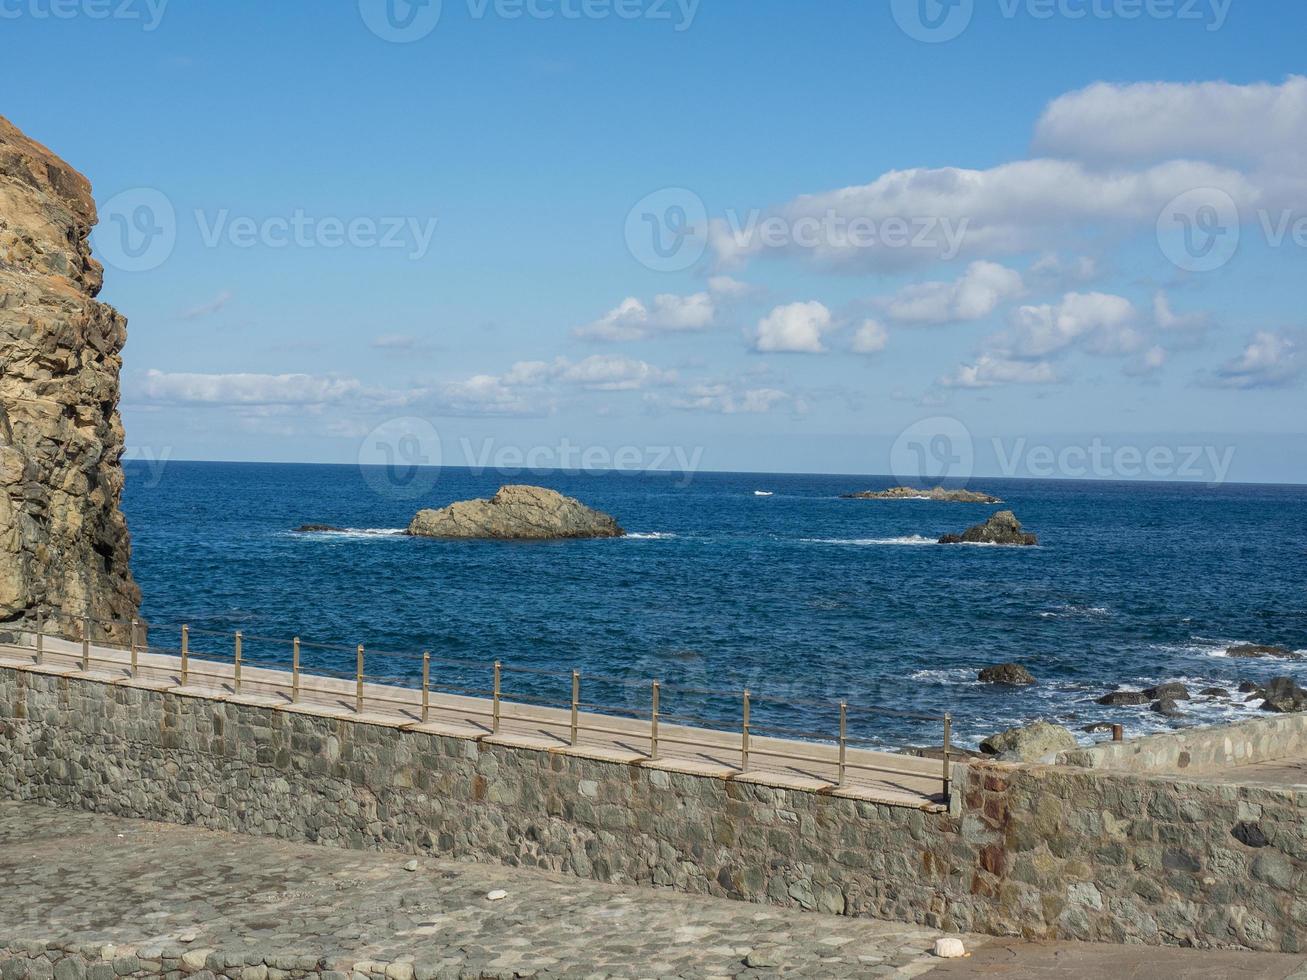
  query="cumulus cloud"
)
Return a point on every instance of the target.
[
  {"x": 991, "y": 370},
  {"x": 976, "y": 294},
  {"x": 1269, "y": 361},
  {"x": 1149, "y": 362},
  {"x": 729, "y": 288},
  {"x": 633, "y": 320},
  {"x": 796, "y": 328},
  {"x": 1102, "y": 323},
  {"x": 870, "y": 338},
  {"x": 1185, "y": 329},
  {"x": 1258, "y": 126}
]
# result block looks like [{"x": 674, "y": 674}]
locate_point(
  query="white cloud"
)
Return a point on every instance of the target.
[
  {"x": 730, "y": 288},
  {"x": 1269, "y": 361},
  {"x": 209, "y": 308},
  {"x": 632, "y": 320},
  {"x": 870, "y": 338},
  {"x": 609, "y": 372},
  {"x": 796, "y": 328},
  {"x": 1261, "y": 126},
  {"x": 1149, "y": 362},
  {"x": 1101, "y": 322},
  {"x": 725, "y": 399},
  {"x": 976, "y": 294},
  {"x": 1185, "y": 329},
  {"x": 990, "y": 371},
  {"x": 246, "y": 389}
]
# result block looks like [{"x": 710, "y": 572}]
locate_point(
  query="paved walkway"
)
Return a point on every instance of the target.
[
  {"x": 880, "y": 777},
  {"x": 1001, "y": 960},
  {"x": 1277, "y": 773},
  {"x": 85, "y": 878}
]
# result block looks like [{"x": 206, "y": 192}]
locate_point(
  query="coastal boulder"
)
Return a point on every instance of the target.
[
  {"x": 1037, "y": 742},
  {"x": 1257, "y": 651},
  {"x": 1013, "y": 675},
  {"x": 516, "y": 513},
  {"x": 938, "y": 494},
  {"x": 1173, "y": 691},
  {"x": 1283, "y": 695},
  {"x": 1119, "y": 699},
  {"x": 1002, "y": 528}
]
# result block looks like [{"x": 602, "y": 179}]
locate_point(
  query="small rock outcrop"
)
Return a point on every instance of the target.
[
  {"x": 938, "y": 493},
  {"x": 1283, "y": 695},
  {"x": 1118, "y": 699},
  {"x": 1036, "y": 742},
  {"x": 1257, "y": 651},
  {"x": 1013, "y": 675},
  {"x": 319, "y": 529},
  {"x": 1173, "y": 691},
  {"x": 64, "y": 546},
  {"x": 1168, "y": 708},
  {"x": 1002, "y": 528},
  {"x": 518, "y": 513}
]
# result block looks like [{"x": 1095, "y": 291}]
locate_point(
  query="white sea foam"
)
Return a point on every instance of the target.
[
  {"x": 1071, "y": 611},
  {"x": 912, "y": 539},
  {"x": 763, "y": 493},
  {"x": 651, "y": 535}
]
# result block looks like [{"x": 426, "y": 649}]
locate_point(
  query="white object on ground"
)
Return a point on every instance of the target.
[
  {"x": 498, "y": 895},
  {"x": 412, "y": 865},
  {"x": 950, "y": 948}
]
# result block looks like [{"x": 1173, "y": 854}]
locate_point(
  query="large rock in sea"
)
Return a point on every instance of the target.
[
  {"x": 516, "y": 513},
  {"x": 1038, "y": 742},
  {"x": 1257, "y": 651},
  {"x": 938, "y": 494},
  {"x": 1001, "y": 528},
  {"x": 1013, "y": 675},
  {"x": 64, "y": 545},
  {"x": 1284, "y": 695}
]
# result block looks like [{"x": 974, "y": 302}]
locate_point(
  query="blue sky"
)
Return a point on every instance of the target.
[{"x": 474, "y": 276}]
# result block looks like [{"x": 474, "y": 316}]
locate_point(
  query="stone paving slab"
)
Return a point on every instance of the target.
[
  {"x": 1003, "y": 960},
  {"x": 193, "y": 900}
]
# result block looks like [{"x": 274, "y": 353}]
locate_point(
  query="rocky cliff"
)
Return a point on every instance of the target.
[{"x": 64, "y": 545}]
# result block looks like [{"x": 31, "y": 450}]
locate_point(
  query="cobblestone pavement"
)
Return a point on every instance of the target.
[
  {"x": 1006, "y": 960},
  {"x": 165, "y": 890}
]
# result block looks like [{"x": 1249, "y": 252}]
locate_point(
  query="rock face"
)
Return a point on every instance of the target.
[
  {"x": 1002, "y": 528},
  {"x": 1031, "y": 743},
  {"x": 938, "y": 493},
  {"x": 63, "y": 540},
  {"x": 1013, "y": 675},
  {"x": 516, "y": 513}
]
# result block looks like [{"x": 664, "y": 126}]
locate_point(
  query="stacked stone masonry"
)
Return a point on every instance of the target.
[{"x": 1036, "y": 851}]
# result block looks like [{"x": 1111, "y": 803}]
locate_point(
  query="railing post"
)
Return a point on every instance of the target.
[
  {"x": 1118, "y": 733},
  {"x": 186, "y": 654},
  {"x": 237, "y": 663},
  {"x": 948, "y": 744},
  {"x": 744, "y": 736},
  {"x": 295, "y": 670},
  {"x": 498, "y": 670},
  {"x": 426, "y": 684},
  {"x": 86, "y": 643},
  {"x": 653, "y": 721},
  {"x": 135, "y": 667},
  {"x": 358, "y": 680},
  {"x": 40, "y": 637},
  {"x": 844, "y": 737},
  {"x": 576, "y": 702}
]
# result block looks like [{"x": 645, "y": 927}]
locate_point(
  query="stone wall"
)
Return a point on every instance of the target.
[
  {"x": 56, "y": 960},
  {"x": 1040, "y": 851},
  {"x": 1195, "y": 751}
]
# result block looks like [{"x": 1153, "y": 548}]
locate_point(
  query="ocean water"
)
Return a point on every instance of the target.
[{"x": 801, "y": 596}]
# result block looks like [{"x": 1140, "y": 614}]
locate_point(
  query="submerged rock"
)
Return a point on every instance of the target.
[
  {"x": 516, "y": 513},
  {"x": 938, "y": 493},
  {"x": 1256, "y": 651},
  {"x": 1119, "y": 699},
  {"x": 1013, "y": 675},
  {"x": 1167, "y": 707},
  {"x": 1214, "y": 692},
  {"x": 1002, "y": 528},
  {"x": 1030, "y": 743},
  {"x": 319, "y": 529},
  {"x": 1283, "y": 695}
]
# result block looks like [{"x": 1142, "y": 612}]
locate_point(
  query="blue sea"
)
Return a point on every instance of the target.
[{"x": 801, "y": 596}]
